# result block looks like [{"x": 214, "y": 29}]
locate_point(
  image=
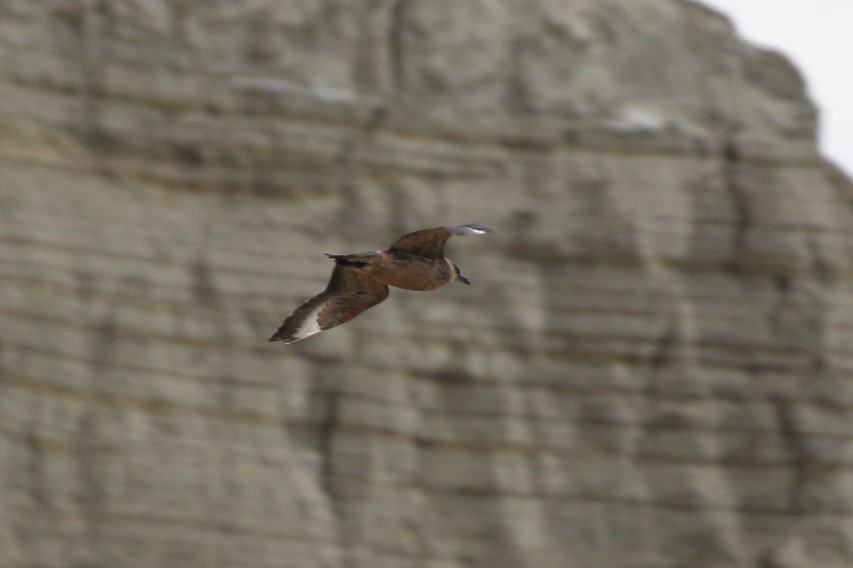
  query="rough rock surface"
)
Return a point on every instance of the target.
[{"x": 652, "y": 369}]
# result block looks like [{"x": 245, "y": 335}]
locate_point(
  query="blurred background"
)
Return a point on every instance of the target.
[
  {"x": 651, "y": 369},
  {"x": 814, "y": 36}
]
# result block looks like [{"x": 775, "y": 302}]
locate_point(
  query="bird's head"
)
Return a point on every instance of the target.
[{"x": 459, "y": 276}]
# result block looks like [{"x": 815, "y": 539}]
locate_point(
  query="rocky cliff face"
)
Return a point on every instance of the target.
[{"x": 652, "y": 369}]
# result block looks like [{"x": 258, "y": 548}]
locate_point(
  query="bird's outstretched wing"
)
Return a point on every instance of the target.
[
  {"x": 430, "y": 242},
  {"x": 350, "y": 291}
]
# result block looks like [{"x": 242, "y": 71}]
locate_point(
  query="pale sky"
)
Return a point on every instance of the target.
[{"x": 817, "y": 35}]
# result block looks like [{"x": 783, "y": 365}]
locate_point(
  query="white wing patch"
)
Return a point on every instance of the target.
[{"x": 310, "y": 324}]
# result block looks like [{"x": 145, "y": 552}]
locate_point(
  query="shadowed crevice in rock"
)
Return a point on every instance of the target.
[
  {"x": 82, "y": 35},
  {"x": 332, "y": 480},
  {"x": 35, "y": 468},
  {"x": 823, "y": 268},
  {"x": 739, "y": 198},
  {"x": 359, "y": 142},
  {"x": 91, "y": 477},
  {"x": 203, "y": 287},
  {"x": 396, "y": 53},
  {"x": 799, "y": 455},
  {"x": 102, "y": 346},
  {"x": 325, "y": 444}
]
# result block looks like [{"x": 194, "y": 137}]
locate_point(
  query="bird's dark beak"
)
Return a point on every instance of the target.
[{"x": 464, "y": 279}]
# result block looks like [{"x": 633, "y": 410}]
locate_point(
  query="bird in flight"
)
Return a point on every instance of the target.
[{"x": 359, "y": 281}]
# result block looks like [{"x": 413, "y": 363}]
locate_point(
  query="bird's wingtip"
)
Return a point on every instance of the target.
[
  {"x": 472, "y": 229},
  {"x": 481, "y": 228},
  {"x": 280, "y": 335}
]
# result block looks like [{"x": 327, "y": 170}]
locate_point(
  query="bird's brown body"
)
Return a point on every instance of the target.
[
  {"x": 402, "y": 269},
  {"x": 359, "y": 281}
]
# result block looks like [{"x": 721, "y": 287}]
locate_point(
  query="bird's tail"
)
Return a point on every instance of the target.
[{"x": 357, "y": 259}]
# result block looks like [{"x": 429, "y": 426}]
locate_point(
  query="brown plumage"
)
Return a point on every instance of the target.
[{"x": 359, "y": 281}]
